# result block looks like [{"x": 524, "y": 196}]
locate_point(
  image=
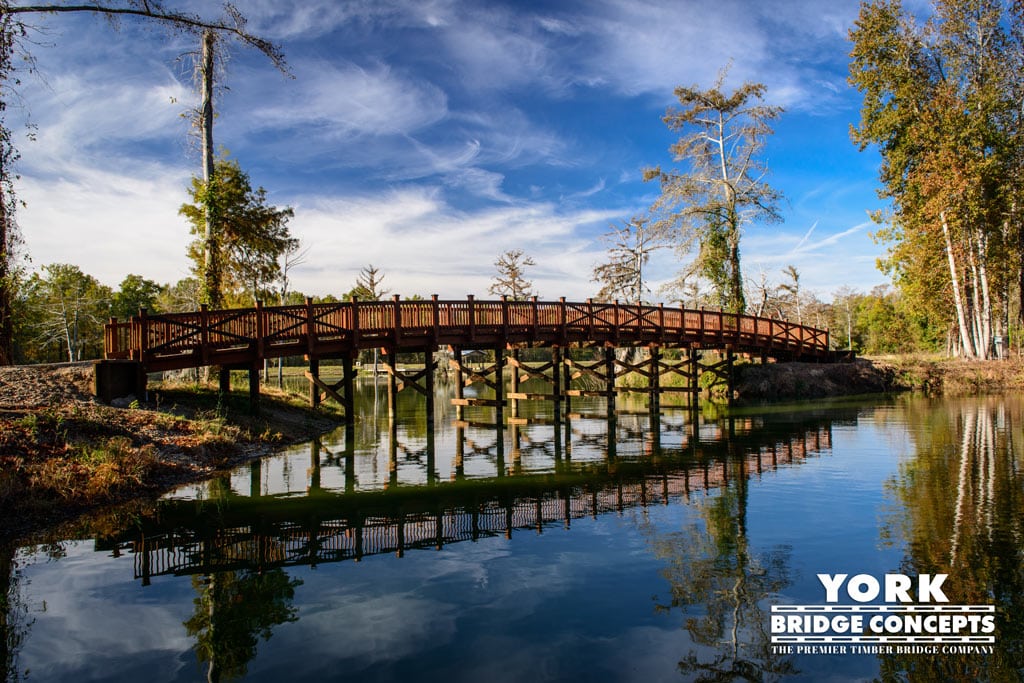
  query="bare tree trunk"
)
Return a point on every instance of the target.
[
  {"x": 6, "y": 295},
  {"x": 965, "y": 335},
  {"x": 211, "y": 255}
]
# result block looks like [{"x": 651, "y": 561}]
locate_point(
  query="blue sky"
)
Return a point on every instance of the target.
[{"x": 428, "y": 137}]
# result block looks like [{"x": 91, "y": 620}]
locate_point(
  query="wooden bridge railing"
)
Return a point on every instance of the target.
[{"x": 205, "y": 337}]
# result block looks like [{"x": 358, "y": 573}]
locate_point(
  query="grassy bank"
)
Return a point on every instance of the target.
[{"x": 71, "y": 456}]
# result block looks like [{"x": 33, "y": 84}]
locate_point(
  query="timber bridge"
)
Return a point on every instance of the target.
[{"x": 242, "y": 339}]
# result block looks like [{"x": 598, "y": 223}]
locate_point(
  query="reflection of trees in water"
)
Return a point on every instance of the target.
[
  {"x": 720, "y": 584},
  {"x": 232, "y": 611},
  {"x": 15, "y": 621},
  {"x": 961, "y": 513},
  {"x": 14, "y": 617}
]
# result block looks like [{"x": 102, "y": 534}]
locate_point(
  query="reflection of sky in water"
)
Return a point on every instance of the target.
[{"x": 564, "y": 604}]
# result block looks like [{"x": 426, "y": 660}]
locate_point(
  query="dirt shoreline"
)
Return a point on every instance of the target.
[
  {"x": 63, "y": 454},
  {"x": 889, "y": 374}
]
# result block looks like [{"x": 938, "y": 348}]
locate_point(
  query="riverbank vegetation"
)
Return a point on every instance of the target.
[{"x": 61, "y": 453}]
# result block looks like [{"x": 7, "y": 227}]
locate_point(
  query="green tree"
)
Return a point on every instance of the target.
[
  {"x": 721, "y": 188},
  {"x": 15, "y": 42},
  {"x": 250, "y": 236},
  {"x": 135, "y": 292}
]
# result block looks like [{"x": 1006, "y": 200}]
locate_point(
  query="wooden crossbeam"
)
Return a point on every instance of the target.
[
  {"x": 667, "y": 369},
  {"x": 329, "y": 390},
  {"x": 471, "y": 376},
  {"x": 528, "y": 372},
  {"x": 641, "y": 369},
  {"x": 404, "y": 381}
]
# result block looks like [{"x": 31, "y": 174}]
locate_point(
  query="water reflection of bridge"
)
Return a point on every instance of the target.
[{"x": 257, "y": 533}]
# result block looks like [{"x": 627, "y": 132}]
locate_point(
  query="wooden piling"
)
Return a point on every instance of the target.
[
  {"x": 514, "y": 381},
  {"x": 556, "y": 381},
  {"x": 499, "y": 386},
  {"x": 429, "y": 371},
  {"x": 654, "y": 382},
  {"x": 609, "y": 376},
  {"x": 314, "y": 390},
  {"x": 392, "y": 384},
  {"x": 254, "y": 387}
]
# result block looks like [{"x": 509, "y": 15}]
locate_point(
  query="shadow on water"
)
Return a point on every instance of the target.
[{"x": 379, "y": 488}]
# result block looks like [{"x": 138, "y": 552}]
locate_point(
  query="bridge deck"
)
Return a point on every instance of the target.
[{"x": 249, "y": 335}]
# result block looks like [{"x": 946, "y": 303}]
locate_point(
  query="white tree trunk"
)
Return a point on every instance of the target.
[
  {"x": 985, "y": 342},
  {"x": 965, "y": 335},
  {"x": 975, "y": 312}
]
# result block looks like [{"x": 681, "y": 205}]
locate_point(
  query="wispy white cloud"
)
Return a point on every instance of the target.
[
  {"x": 340, "y": 99},
  {"x": 421, "y": 242}
]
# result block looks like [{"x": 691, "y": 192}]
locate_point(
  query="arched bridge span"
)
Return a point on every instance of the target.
[{"x": 239, "y": 337}]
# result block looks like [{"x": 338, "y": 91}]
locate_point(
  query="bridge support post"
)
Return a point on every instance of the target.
[
  {"x": 654, "y": 382},
  {"x": 656, "y": 433},
  {"x": 556, "y": 383},
  {"x": 730, "y": 377},
  {"x": 499, "y": 389},
  {"x": 428, "y": 369},
  {"x": 694, "y": 379},
  {"x": 348, "y": 381},
  {"x": 609, "y": 370},
  {"x": 567, "y": 379},
  {"x": 456, "y": 364},
  {"x": 517, "y": 454},
  {"x": 254, "y": 386},
  {"x": 392, "y": 383},
  {"x": 256, "y": 478},
  {"x": 314, "y": 390},
  {"x": 350, "y": 457},
  {"x": 431, "y": 454},
  {"x": 513, "y": 401},
  {"x": 460, "y": 452},
  {"x": 393, "y": 454},
  {"x": 313, "y": 476},
  {"x": 224, "y": 380}
]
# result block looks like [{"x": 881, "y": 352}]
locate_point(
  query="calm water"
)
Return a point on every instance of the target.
[{"x": 582, "y": 550}]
